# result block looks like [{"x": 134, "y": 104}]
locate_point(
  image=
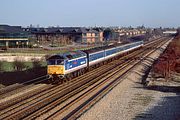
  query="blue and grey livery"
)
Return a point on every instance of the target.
[{"x": 70, "y": 62}]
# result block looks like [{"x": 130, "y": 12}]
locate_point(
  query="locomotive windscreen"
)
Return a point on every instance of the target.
[{"x": 55, "y": 60}]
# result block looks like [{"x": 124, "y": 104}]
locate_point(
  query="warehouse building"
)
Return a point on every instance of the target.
[{"x": 12, "y": 36}]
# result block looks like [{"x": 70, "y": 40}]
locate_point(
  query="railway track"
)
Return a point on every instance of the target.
[
  {"x": 55, "y": 89},
  {"x": 4, "y": 92},
  {"x": 41, "y": 103},
  {"x": 74, "y": 107},
  {"x": 14, "y": 96},
  {"x": 83, "y": 104}
]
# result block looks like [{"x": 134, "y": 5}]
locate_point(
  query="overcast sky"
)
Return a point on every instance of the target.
[{"x": 151, "y": 13}]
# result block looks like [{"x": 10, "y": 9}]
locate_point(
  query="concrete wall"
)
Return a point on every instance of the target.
[{"x": 25, "y": 58}]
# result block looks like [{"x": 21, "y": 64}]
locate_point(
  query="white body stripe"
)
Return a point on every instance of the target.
[
  {"x": 76, "y": 68},
  {"x": 96, "y": 61},
  {"x": 77, "y": 58},
  {"x": 110, "y": 56}
]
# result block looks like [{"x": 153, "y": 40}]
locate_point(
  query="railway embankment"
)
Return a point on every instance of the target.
[
  {"x": 166, "y": 71},
  {"x": 18, "y": 77},
  {"x": 132, "y": 100}
]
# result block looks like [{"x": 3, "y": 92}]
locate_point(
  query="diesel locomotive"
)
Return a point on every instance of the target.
[{"x": 73, "y": 63}]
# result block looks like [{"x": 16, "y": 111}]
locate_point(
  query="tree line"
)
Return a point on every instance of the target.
[{"x": 21, "y": 66}]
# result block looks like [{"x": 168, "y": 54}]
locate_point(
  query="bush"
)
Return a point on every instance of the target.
[
  {"x": 1, "y": 66},
  {"x": 178, "y": 32},
  {"x": 47, "y": 56},
  {"x": 36, "y": 63},
  {"x": 19, "y": 65}
]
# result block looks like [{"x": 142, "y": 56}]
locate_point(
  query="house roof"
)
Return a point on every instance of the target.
[
  {"x": 11, "y": 29},
  {"x": 63, "y": 30}
]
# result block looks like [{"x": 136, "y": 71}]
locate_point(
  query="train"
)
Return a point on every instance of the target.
[{"x": 73, "y": 63}]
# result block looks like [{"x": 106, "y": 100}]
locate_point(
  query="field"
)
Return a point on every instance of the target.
[
  {"x": 9, "y": 66},
  {"x": 50, "y": 50}
]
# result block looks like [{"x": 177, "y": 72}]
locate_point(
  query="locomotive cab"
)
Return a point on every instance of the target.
[
  {"x": 64, "y": 66},
  {"x": 55, "y": 66}
]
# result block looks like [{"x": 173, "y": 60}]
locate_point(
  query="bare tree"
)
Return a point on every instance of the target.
[
  {"x": 36, "y": 63},
  {"x": 148, "y": 34},
  {"x": 1, "y": 66},
  {"x": 19, "y": 65},
  {"x": 158, "y": 31},
  {"x": 178, "y": 31}
]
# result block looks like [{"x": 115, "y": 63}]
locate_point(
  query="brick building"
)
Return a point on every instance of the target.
[{"x": 65, "y": 35}]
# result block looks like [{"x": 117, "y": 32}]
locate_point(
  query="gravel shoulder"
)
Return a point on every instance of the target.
[
  {"x": 131, "y": 100},
  {"x": 2, "y": 86}
]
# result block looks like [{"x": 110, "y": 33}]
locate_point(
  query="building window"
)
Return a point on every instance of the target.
[
  {"x": 84, "y": 40},
  {"x": 84, "y": 34}
]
